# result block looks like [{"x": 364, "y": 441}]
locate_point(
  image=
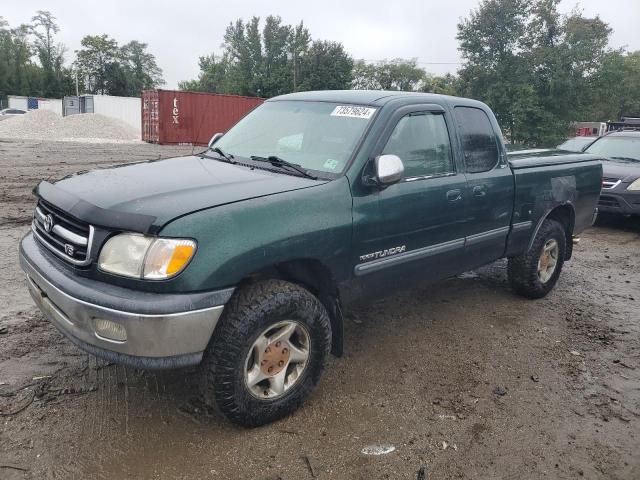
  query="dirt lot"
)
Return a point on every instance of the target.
[{"x": 463, "y": 378}]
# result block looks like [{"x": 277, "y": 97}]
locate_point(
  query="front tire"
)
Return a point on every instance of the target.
[
  {"x": 267, "y": 353},
  {"x": 535, "y": 273}
]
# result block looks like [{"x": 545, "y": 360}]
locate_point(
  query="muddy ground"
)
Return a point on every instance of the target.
[{"x": 464, "y": 379}]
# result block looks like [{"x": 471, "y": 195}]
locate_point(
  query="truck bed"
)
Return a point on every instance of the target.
[
  {"x": 547, "y": 179},
  {"x": 540, "y": 158}
]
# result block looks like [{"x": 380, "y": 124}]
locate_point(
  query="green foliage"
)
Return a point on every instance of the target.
[
  {"x": 540, "y": 70},
  {"x": 537, "y": 69},
  {"x": 275, "y": 60},
  {"x": 448, "y": 84},
  {"x": 95, "y": 62},
  {"x": 213, "y": 74},
  {"x": 32, "y": 63},
  {"x": 140, "y": 68},
  {"x": 325, "y": 66},
  {"x": 396, "y": 74},
  {"x": 105, "y": 68},
  {"x": 615, "y": 88},
  {"x": 18, "y": 72},
  {"x": 54, "y": 77}
]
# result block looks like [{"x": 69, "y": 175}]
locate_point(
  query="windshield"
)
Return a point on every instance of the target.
[
  {"x": 318, "y": 136},
  {"x": 575, "y": 144},
  {"x": 625, "y": 148}
]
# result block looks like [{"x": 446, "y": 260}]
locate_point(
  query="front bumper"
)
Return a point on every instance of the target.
[
  {"x": 627, "y": 203},
  {"x": 162, "y": 330}
]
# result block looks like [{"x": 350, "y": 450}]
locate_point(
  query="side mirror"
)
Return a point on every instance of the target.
[
  {"x": 389, "y": 169},
  {"x": 215, "y": 138}
]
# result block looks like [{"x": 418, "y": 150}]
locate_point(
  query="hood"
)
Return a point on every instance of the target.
[
  {"x": 145, "y": 196},
  {"x": 624, "y": 171}
]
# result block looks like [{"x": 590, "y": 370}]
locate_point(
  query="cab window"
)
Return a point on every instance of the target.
[
  {"x": 421, "y": 140},
  {"x": 479, "y": 141}
]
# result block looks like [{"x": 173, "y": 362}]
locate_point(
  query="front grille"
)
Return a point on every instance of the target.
[
  {"x": 66, "y": 237},
  {"x": 607, "y": 201},
  {"x": 608, "y": 183}
]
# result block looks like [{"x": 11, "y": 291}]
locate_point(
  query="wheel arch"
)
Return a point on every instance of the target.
[
  {"x": 316, "y": 277},
  {"x": 565, "y": 215}
]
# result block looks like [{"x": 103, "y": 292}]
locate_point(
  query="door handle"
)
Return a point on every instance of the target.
[
  {"x": 479, "y": 191},
  {"x": 454, "y": 195}
]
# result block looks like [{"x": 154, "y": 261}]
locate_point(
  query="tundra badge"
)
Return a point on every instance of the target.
[{"x": 383, "y": 253}]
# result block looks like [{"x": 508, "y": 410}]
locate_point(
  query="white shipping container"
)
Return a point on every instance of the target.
[
  {"x": 127, "y": 109},
  {"x": 53, "y": 104},
  {"x": 21, "y": 103}
]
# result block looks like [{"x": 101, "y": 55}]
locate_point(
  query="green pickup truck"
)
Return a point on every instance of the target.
[{"x": 242, "y": 258}]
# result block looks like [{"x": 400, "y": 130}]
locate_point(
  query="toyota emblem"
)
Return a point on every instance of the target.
[{"x": 48, "y": 223}]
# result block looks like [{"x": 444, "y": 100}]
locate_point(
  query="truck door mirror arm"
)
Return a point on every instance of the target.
[{"x": 215, "y": 138}]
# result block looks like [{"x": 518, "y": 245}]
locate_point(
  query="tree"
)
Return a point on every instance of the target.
[
  {"x": 615, "y": 88},
  {"x": 448, "y": 84},
  {"x": 6, "y": 61},
  {"x": 277, "y": 39},
  {"x": 50, "y": 54},
  {"x": 396, "y": 74},
  {"x": 105, "y": 68},
  {"x": 140, "y": 68},
  {"x": 26, "y": 78},
  {"x": 94, "y": 62},
  {"x": 275, "y": 60},
  {"x": 212, "y": 77},
  {"x": 531, "y": 64},
  {"x": 325, "y": 66},
  {"x": 298, "y": 48},
  {"x": 363, "y": 76},
  {"x": 490, "y": 40}
]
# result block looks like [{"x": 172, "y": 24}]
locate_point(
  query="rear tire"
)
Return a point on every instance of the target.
[
  {"x": 535, "y": 273},
  {"x": 255, "y": 317}
]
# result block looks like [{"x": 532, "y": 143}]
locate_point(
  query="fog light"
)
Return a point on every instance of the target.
[{"x": 109, "y": 330}]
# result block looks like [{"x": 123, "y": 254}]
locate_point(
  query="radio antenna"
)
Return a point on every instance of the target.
[{"x": 202, "y": 117}]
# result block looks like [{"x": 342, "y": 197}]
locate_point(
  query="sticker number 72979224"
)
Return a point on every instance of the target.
[{"x": 354, "y": 111}]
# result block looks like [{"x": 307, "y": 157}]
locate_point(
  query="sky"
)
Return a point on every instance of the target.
[{"x": 179, "y": 32}]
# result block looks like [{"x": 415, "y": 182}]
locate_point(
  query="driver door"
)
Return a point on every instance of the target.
[{"x": 416, "y": 227}]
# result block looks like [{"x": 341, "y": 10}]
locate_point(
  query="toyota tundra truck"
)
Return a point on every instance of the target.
[{"x": 242, "y": 258}]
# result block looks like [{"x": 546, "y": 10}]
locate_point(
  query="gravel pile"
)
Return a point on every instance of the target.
[{"x": 86, "y": 127}]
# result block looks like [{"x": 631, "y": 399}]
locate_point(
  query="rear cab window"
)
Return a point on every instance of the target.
[{"x": 479, "y": 141}]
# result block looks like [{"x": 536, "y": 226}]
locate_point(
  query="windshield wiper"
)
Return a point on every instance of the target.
[
  {"x": 223, "y": 157},
  {"x": 629, "y": 159},
  {"x": 282, "y": 163},
  {"x": 227, "y": 157}
]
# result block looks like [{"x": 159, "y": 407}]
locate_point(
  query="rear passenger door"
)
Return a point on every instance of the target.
[{"x": 490, "y": 186}]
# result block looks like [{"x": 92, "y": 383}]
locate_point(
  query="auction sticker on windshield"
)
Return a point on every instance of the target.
[{"x": 353, "y": 111}]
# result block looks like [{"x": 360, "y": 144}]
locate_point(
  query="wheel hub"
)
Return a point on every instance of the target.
[
  {"x": 544, "y": 261},
  {"x": 548, "y": 260},
  {"x": 275, "y": 358}
]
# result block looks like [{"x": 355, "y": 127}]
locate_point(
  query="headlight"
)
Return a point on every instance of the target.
[
  {"x": 635, "y": 185},
  {"x": 137, "y": 256}
]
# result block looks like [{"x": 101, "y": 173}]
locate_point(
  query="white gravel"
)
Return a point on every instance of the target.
[{"x": 86, "y": 127}]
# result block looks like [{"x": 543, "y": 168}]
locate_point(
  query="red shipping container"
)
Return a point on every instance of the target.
[{"x": 171, "y": 116}]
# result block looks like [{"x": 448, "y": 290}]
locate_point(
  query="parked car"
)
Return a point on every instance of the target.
[
  {"x": 10, "y": 112},
  {"x": 576, "y": 144},
  {"x": 242, "y": 258},
  {"x": 621, "y": 171}
]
